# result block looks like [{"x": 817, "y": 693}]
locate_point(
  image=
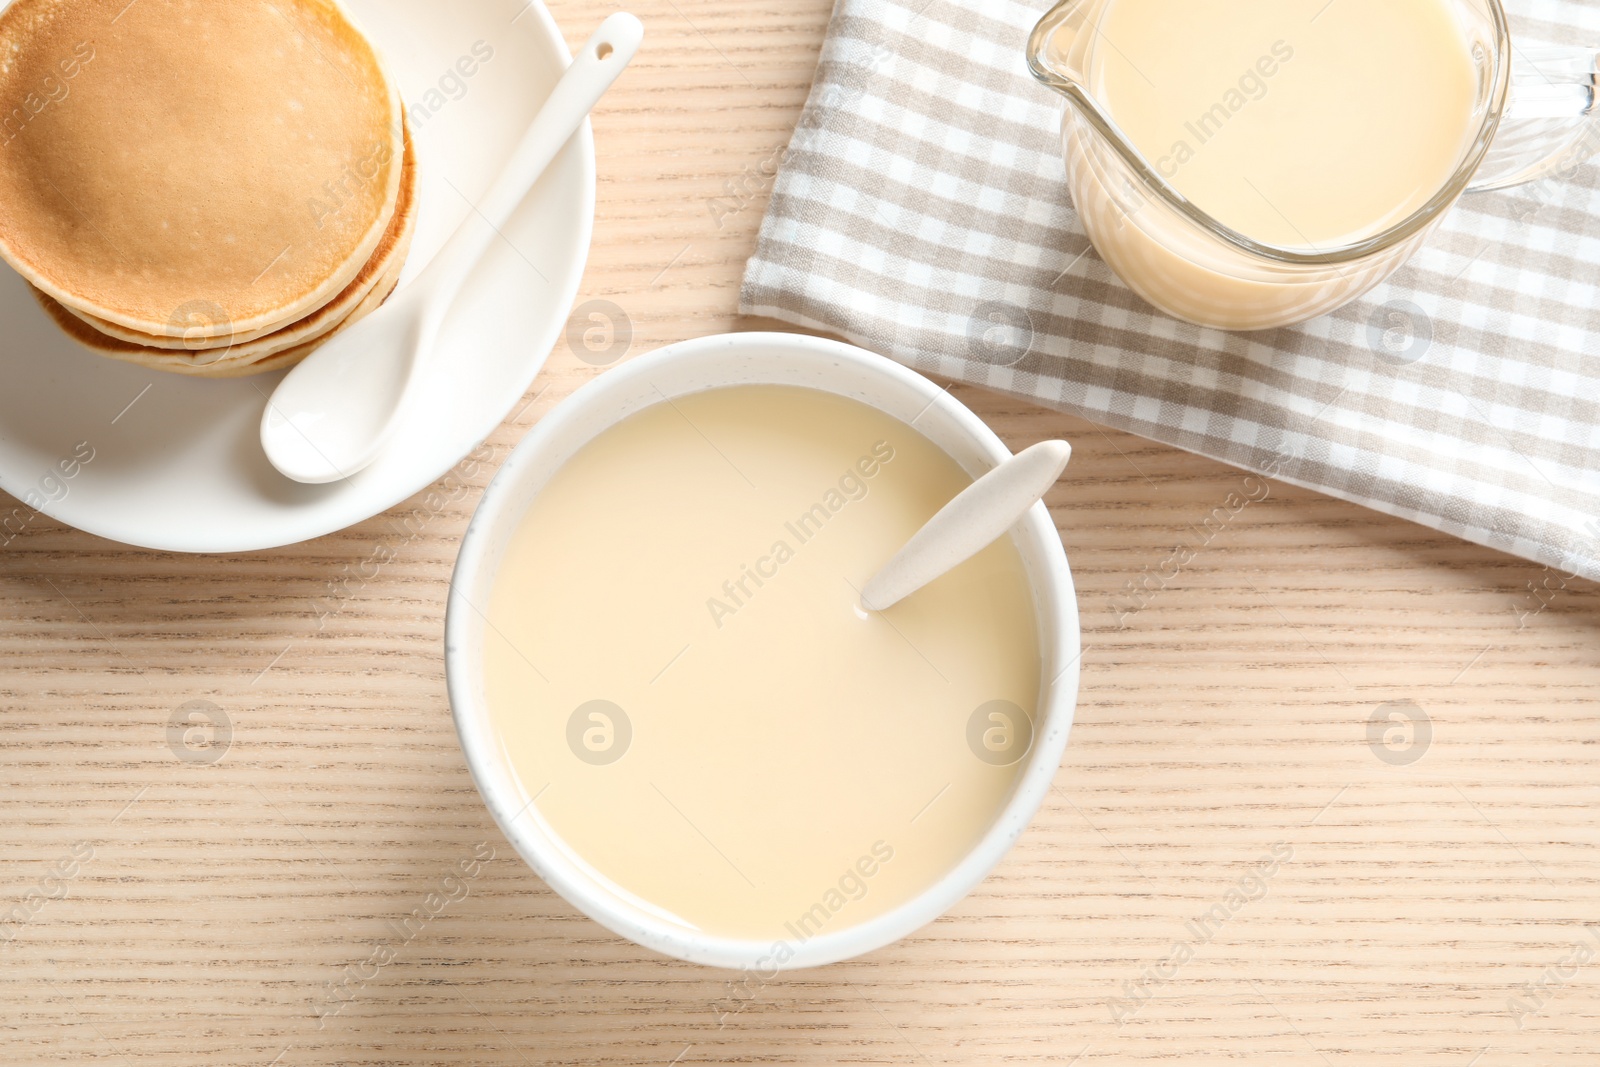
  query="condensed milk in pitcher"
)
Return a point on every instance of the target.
[{"x": 1248, "y": 164}]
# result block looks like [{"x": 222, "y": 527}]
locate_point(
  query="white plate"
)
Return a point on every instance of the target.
[{"x": 181, "y": 469}]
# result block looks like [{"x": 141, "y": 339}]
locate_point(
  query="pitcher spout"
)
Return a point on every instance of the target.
[{"x": 1057, "y": 46}]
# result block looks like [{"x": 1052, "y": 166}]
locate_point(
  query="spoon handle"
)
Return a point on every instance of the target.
[
  {"x": 976, "y": 518},
  {"x": 592, "y": 71}
]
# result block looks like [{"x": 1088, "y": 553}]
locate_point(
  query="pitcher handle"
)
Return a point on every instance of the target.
[{"x": 1551, "y": 124}]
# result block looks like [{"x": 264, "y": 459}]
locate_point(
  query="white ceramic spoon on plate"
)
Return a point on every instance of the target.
[
  {"x": 975, "y": 519},
  {"x": 335, "y": 413}
]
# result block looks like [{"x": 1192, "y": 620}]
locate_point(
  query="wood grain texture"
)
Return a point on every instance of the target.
[{"x": 1432, "y": 912}]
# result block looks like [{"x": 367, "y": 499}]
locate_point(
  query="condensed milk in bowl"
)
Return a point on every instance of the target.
[
  {"x": 1250, "y": 164},
  {"x": 670, "y": 695}
]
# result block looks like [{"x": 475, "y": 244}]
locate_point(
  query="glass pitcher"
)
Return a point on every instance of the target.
[{"x": 1192, "y": 266}]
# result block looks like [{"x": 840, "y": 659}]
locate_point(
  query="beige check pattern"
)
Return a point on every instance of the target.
[{"x": 921, "y": 211}]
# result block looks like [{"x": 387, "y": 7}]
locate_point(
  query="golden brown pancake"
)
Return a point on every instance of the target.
[
  {"x": 172, "y": 154},
  {"x": 283, "y": 360},
  {"x": 119, "y": 340},
  {"x": 214, "y": 364},
  {"x": 289, "y": 357},
  {"x": 257, "y": 357}
]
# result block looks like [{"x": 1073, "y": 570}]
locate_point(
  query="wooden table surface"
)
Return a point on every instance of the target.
[{"x": 210, "y": 896}]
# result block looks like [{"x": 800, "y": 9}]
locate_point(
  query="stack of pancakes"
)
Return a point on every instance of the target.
[{"x": 211, "y": 187}]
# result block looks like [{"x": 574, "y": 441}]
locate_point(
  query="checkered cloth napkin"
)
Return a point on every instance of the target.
[{"x": 921, "y": 211}]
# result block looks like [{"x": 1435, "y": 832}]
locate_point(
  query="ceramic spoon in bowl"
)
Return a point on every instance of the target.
[
  {"x": 335, "y": 413},
  {"x": 973, "y": 520}
]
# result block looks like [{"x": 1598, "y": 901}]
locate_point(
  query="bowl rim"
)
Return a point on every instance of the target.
[{"x": 1055, "y": 599}]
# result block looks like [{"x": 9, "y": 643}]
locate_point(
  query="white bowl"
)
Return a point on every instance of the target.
[{"x": 692, "y": 367}]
